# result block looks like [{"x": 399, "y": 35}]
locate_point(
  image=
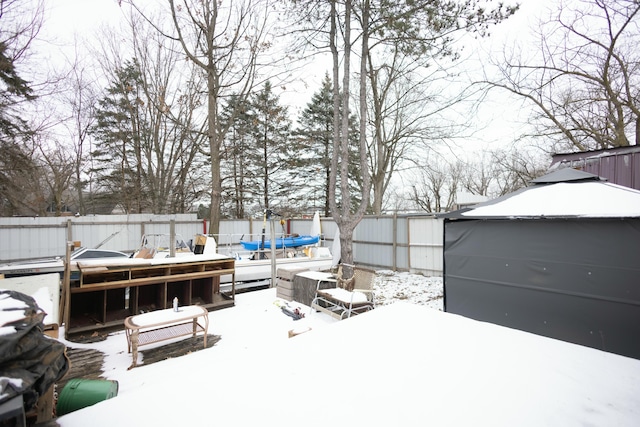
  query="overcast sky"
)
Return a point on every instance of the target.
[{"x": 503, "y": 116}]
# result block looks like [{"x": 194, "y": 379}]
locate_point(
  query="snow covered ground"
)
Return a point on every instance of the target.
[
  {"x": 256, "y": 319},
  {"x": 414, "y": 288},
  {"x": 405, "y": 363}
]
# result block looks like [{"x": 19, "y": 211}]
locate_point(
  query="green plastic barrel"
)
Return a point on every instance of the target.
[{"x": 79, "y": 393}]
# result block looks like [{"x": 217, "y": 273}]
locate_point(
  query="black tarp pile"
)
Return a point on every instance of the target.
[{"x": 30, "y": 361}]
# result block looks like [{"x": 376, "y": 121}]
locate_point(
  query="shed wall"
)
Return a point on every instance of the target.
[
  {"x": 619, "y": 165},
  {"x": 570, "y": 279}
]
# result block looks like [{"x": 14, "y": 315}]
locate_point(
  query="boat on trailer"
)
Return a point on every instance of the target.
[
  {"x": 253, "y": 268},
  {"x": 162, "y": 245},
  {"x": 253, "y": 260},
  {"x": 56, "y": 265}
]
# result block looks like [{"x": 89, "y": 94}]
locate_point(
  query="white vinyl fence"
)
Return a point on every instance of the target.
[{"x": 399, "y": 242}]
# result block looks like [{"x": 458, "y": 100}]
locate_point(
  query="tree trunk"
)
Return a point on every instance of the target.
[
  {"x": 348, "y": 216},
  {"x": 214, "y": 150}
]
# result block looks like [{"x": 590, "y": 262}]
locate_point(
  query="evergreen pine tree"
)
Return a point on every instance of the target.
[
  {"x": 239, "y": 183},
  {"x": 119, "y": 132},
  {"x": 313, "y": 144},
  {"x": 271, "y": 156},
  {"x": 14, "y": 89},
  {"x": 16, "y": 162}
]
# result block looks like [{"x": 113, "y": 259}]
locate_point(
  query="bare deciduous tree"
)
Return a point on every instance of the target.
[
  {"x": 58, "y": 171},
  {"x": 407, "y": 80},
  {"x": 516, "y": 169},
  {"x": 437, "y": 185},
  {"x": 152, "y": 119},
  {"x": 479, "y": 175},
  {"x": 494, "y": 173},
  {"x": 226, "y": 41},
  {"x": 408, "y": 30},
  {"x": 76, "y": 97},
  {"x": 346, "y": 213},
  {"x": 584, "y": 84}
]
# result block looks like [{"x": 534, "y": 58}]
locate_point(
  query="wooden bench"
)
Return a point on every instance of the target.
[{"x": 162, "y": 325}]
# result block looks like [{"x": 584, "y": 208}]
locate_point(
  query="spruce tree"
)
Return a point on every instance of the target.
[
  {"x": 314, "y": 148},
  {"x": 13, "y": 90},
  {"x": 271, "y": 155},
  {"x": 239, "y": 179},
  {"x": 16, "y": 163},
  {"x": 119, "y": 132}
]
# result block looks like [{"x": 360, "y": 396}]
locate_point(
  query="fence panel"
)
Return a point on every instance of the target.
[
  {"x": 426, "y": 245},
  {"x": 401, "y": 242},
  {"x": 31, "y": 238}
]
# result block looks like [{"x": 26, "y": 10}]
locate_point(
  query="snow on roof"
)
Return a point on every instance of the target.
[
  {"x": 465, "y": 198},
  {"x": 564, "y": 193},
  {"x": 564, "y": 199}
]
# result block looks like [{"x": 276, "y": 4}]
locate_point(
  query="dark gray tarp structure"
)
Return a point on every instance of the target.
[{"x": 572, "y": 276}]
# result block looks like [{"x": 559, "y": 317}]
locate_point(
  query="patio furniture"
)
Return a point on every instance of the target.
[
  {"x": 349, "y": 297},
  {"x": 162, "y": 325}
]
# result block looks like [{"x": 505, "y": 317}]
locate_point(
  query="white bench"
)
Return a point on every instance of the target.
[{"x": 162, "y": 325}]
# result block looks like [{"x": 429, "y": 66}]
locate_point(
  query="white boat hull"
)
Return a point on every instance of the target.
[
  {"x": 256, "y": 270},
  {"x": 33, "y": 268}
]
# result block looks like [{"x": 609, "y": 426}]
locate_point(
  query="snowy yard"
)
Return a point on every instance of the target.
[
  {"x": 414, "y": 288},
  {"x": 404, "y": 363}
]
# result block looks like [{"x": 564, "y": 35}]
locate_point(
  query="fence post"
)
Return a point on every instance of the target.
[
  {"x": 408, "y": 243},
  {"x": 395, "y": 241},
  {"x": 172, "y": 238},
  {"x": 69, "y": 230}
]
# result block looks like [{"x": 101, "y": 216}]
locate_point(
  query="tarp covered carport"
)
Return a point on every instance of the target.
[{"x": 560, "y": 258}]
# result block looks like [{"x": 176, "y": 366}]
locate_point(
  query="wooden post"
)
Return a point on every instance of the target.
[
  {"x": 65, "y": 300},
  {"x": 69, "y": 231}
]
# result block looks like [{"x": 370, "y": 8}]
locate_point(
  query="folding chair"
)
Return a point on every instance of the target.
[{"x": 351, "y": 296}]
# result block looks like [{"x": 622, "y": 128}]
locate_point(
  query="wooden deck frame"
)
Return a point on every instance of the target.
[{"x": 106, "y": 295}]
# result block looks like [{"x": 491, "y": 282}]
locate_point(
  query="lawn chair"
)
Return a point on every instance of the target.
[{"x": 350, "y": 296}]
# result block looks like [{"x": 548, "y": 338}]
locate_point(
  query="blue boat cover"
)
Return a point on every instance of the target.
[{"x": 287, "y": 242}]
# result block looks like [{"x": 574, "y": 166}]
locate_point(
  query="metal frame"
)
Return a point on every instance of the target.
[{"x": 341, "y": 303}]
